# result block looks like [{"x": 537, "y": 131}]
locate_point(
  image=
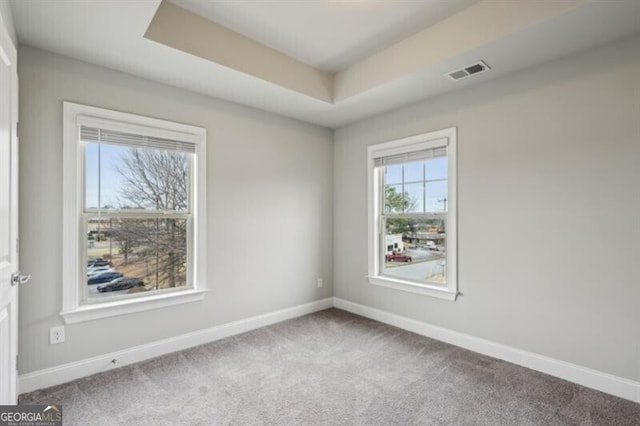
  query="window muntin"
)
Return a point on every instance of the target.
[
  {"x": 412, "y": 214},
  {"x": 153, "y": 235}
]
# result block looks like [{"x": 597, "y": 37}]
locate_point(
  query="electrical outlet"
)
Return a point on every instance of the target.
[
  {"x": 320, "y": 282},
  {"x": 56, "y": 335}
]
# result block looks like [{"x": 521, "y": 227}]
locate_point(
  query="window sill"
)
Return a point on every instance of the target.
[
  {"x": 411, "y": 287},
  {"x": 122, "y": 307}
]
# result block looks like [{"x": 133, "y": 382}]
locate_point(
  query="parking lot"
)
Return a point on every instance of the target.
[
  {"x": 417, "y": 255},
  {"x": 108, "y": 250},
  {"x": 425, "y": 265}
]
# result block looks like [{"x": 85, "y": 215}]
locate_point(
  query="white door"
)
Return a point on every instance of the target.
[{"x": 8, "y": 220}]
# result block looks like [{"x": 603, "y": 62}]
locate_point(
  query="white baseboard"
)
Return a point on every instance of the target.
[
  {"x": 74, "y": 370},
  {"x": 594, "y": 379}
]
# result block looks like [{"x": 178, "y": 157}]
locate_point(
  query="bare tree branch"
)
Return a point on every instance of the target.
[{"x": 158, "y": 181}]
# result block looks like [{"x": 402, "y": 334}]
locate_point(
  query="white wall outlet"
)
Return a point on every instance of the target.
[
  {"x": 56, "y": 335},
  {"x": 320, "y": 282}
]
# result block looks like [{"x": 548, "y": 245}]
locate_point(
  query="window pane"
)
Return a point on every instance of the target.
[
  {"x": 437, "y": 196},
  {"x": 150, "y": 253},
  {"x": 437, "y": 168},
  {"x": 393, "y": 174},
  {"x": 415, "y": 249},
  {"x": 394, "y": 201},
  {"x": 414, "y": 193},
  {"x": 414, "y": 172},
  {"x": 120, "y": 177}
]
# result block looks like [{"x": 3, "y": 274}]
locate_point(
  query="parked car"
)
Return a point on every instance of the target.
[
  {"x": 104, "y": 277},
  {"x": 123, "y": 283},
  {"x": 98, "y": 262},
  {"x": 398, "y": 257},
  {"x": 93, "y": 271}
]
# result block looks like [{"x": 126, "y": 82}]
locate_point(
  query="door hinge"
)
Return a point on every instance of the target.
[
  {"x": 17, "y": 129},
  {"x": 17, "y": 363}
]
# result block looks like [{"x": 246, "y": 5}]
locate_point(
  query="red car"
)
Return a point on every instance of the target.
[{"x": 397, "y": 257}]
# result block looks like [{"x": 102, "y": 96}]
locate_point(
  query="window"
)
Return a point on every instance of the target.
[
  {"x": 134, "y": 213},
  {"x": 412, "y": 214}
]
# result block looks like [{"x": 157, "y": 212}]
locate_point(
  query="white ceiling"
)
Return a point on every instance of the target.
[{"x": 351, "y": 36}]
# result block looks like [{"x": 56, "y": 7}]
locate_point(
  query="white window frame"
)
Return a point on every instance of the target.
[
  {"x": 441, "y": 138},
  {"x": 74, "y": 237}
]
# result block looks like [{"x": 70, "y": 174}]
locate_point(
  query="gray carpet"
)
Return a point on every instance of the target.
[{"x": 330, "y": 368}]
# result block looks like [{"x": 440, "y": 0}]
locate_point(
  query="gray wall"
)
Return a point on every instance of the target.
[
  {"x": 269, "y": 207},
  {"x": 549, "y": 209}
]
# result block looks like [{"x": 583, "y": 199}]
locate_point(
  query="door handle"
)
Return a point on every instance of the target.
[{"x": 16, "y": 278}]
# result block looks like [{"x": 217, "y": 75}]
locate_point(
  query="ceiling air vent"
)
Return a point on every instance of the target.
[{"x": 467, "y": 71}]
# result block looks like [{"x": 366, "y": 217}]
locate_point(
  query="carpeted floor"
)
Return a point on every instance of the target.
[{"x": 330, "y": 368}]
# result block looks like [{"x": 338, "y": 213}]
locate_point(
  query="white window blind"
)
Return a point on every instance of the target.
[
  {"x": 101, "y": 130},
  {"x": 95, "y": 134},
  {"x": 408, "y": 157}
]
